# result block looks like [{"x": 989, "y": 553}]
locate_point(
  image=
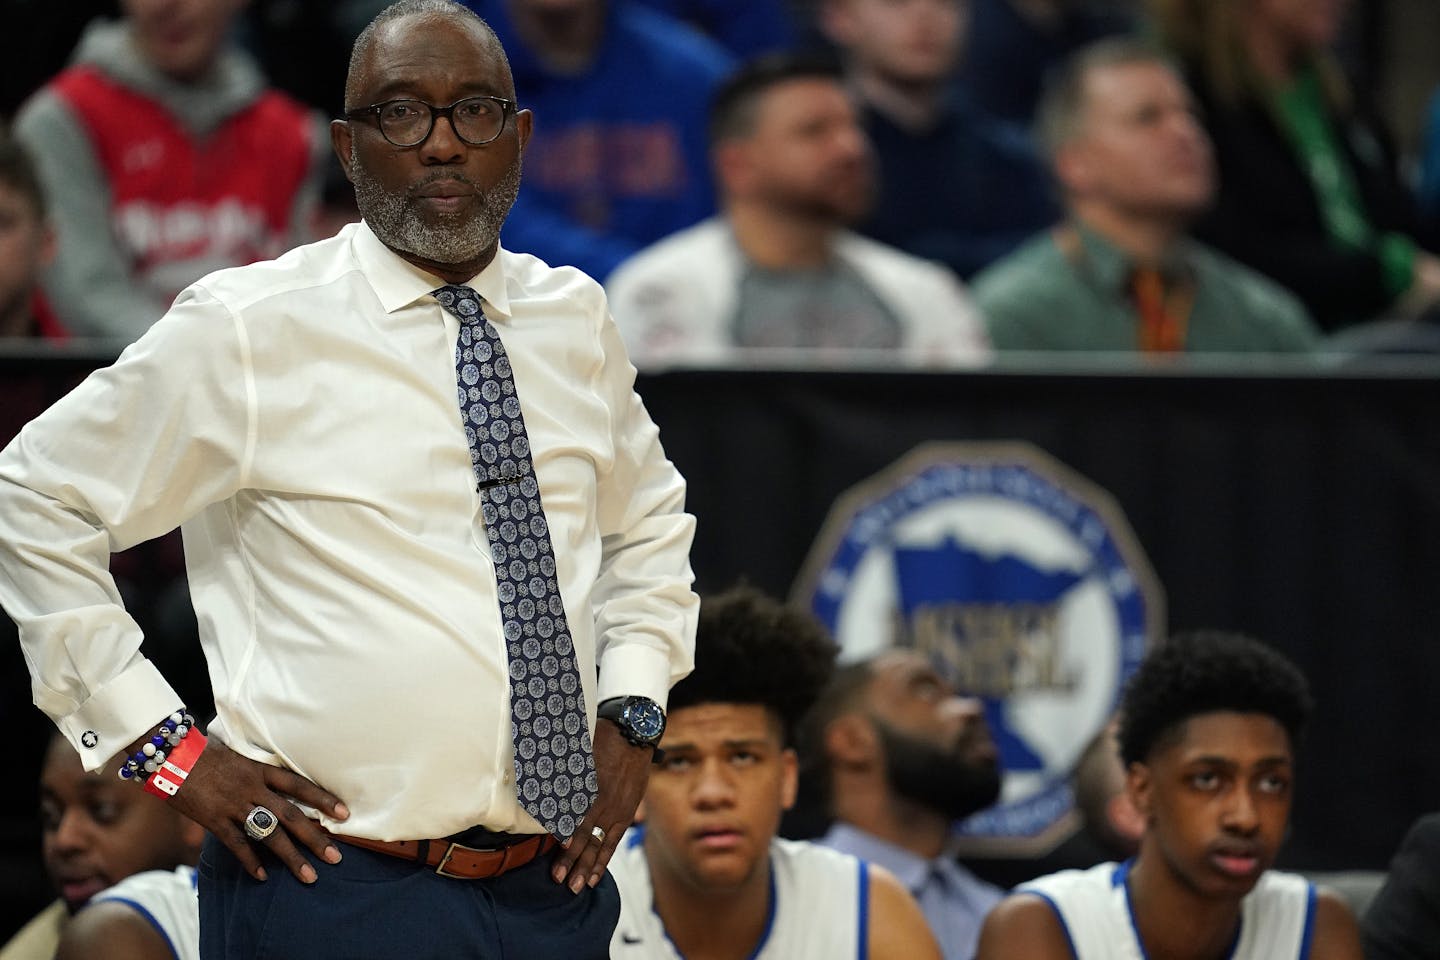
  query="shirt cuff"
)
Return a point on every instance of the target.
[
  {"x": 118, "y": 713},
  {"x": 634, "y": 670}
]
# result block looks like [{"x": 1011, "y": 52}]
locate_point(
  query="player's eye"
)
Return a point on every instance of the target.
[{"x": 1205, "y": 780}]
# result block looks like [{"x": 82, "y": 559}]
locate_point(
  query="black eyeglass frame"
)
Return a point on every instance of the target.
[{"x": 372, "y": 112}]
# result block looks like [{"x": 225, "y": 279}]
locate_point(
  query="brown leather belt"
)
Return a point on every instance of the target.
[{"x": 457, "y": 860}]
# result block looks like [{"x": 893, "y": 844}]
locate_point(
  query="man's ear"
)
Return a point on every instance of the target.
[
  {"x": 1139, "y": 787},
  {"x": 1071, "y": 166},
  {"x": 851, "y": 740},
  {"x": 732, "y": 167},
  {"x": 524, "y": 126},
  {"x": 340, "y": 141},
  {"x": 1125, "y": 819},
  {"x": 49, "y": 245},
  {"x": 836, "y": 22},
  {"x": 790, "y": 778}
]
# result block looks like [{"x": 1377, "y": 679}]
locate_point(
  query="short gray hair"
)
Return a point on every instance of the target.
[
  {"x": 1058, "y": 116},
  {"x": 407, "y": 8}
]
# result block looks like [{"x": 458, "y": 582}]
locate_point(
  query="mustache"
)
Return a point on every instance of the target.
[{"x": 444, "y": 176}]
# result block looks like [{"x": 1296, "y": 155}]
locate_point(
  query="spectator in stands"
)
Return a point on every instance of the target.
[
  {"x": 1403, "y": 921},
  {"x": 1012, "y": 45},
  {"x": 897, "y": 758},
  {"x": 706, "y": 875},
  {"x": 747, "y": 28},
  {"x": 27, "y": 246},
  {"x": 1310, "y": 192},
  {"x": 956, "y": 186},
  {"x": 164, "y": 157},
  {"x": 1135, "y": 167},
  {"x": 1209, "y": 727},
  {"x": 154, "y": 915},
  {"x": 777, "y": 268},
  {"x": 97, "y": 830},
  {"x": 618, "y": 159}
]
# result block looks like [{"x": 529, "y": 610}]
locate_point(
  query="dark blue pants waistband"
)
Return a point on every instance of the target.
[{"x": 375, "y": 907}]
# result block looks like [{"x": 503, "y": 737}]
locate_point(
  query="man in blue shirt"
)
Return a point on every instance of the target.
[
  {"x": 956, "y": 185},
  {"x": 899, "y": 757},
  {"x": 620, "y": 159},
  {"x": 1012, "y": 45}
]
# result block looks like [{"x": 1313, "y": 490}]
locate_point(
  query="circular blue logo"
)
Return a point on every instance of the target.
[{"x": 1025, "y": 586}]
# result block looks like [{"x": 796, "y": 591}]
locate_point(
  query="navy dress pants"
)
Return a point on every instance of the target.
[{"x": 372, "y": 906}]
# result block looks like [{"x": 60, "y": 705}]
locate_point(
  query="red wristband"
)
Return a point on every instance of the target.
[{"x": 166, "y": 781}]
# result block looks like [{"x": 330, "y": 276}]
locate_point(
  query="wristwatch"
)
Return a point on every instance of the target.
[{"x": 640, "y": 719}]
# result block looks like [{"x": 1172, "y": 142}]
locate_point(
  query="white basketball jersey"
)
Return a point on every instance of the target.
[
  {"x": 169, "y": 900},
  {"x": 1276, "y": 918},
  {"x": 819, "y": 906}
]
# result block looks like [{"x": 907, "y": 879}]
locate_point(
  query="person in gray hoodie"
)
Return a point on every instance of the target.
[{"x": 165, "y": 157}]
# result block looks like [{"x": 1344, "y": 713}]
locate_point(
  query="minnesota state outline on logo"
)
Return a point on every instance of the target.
[{"x": 1025, "y": 585}]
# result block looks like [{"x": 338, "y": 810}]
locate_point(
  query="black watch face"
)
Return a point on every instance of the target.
[{"x": 647, "y": 720}]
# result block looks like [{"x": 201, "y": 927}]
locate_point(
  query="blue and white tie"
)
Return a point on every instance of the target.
[{"x": 554, "y": 763}]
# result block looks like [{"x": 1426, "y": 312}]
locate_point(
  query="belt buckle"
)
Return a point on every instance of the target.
[{"x": 450, "y": 852}]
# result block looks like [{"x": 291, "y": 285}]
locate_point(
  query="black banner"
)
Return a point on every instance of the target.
[{"x": 1302, "y": 507}]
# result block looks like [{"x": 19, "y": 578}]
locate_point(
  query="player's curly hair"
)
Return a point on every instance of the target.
[
  {"x": 1205, "y": 672},
  {"x": 749, "y": 649}
]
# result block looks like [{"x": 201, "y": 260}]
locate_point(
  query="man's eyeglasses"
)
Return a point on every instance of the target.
[{"x": 407, "y": 123}]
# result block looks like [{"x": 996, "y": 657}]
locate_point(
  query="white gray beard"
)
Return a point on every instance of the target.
[{"x": 463, "y": 238}]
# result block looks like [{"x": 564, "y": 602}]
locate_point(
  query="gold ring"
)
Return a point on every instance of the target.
[{"x": 598, "y": 833}]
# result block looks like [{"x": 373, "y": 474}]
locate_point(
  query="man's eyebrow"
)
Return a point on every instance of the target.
[
  {"x": 403, "y": 89},
  {"x": 1217, "y": 760}
]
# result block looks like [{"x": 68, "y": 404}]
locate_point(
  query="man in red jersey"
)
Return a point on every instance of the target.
[{"x": 165, "y": 157}]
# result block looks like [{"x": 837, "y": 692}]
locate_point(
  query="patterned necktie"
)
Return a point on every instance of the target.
[
  {"x": 554, "y": 765},
  {"x": 1162, "y": 316}
]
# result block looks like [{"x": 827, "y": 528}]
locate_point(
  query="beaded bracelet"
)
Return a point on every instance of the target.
[{"x": 151, "y": 755}]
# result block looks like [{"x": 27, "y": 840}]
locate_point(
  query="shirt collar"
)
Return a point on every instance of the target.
[
  {"x": 909, "y": 868},
  {"x": 1111, "y": 267},
  {"x": 398, "y": 282}
]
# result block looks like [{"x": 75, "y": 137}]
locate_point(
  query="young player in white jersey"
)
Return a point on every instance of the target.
[
  {"x": 154, "y": 915},
  {"x": 823, "y": 892},
  {"x": 1208, "y": 731},
  {"x": 705, "y": 877}
]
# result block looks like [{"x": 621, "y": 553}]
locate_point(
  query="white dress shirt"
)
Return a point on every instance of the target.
[{"x": 298, "y": 419}]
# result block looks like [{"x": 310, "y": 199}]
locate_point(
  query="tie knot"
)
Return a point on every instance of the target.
[{"x": 460, "y": 300}]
